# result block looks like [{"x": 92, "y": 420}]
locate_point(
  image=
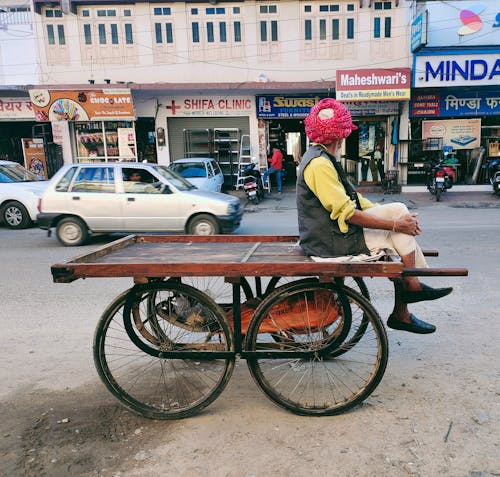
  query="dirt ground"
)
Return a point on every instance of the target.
[{"x": 436, "y": 411}]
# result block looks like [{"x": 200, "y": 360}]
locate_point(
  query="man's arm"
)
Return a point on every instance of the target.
[{"x": 407, "y": 224}]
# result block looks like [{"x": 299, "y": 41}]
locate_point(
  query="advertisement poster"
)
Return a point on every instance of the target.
[
  {"x": 456, "y": 133},
  {"x": 34, "y": 157},
  {"x": 126, "y": 142},
  {"x": 94, "y": 105}
]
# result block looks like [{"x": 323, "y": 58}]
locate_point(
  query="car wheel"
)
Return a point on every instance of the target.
[
  {"x": 72, "y": 231},
  {"x": 15, "y": 215},
  {"x": 203, "y": 224}
]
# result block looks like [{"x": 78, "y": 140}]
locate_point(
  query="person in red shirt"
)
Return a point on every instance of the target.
[{"x": 276, "y": 166}]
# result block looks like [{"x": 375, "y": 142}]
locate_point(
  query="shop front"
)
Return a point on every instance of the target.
[
  {"x": 456, "y": 116},
  {"x": 221, "y": 127},
  {"x": 92, "y": 125}
]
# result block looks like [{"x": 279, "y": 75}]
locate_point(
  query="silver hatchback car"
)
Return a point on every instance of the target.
[{"x": 131, "y": 197}]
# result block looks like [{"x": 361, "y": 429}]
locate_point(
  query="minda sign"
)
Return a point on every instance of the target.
[{"x": 456, "y": 70}]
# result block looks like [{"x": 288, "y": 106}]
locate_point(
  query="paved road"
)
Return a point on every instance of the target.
[{"x": 47, "y": 375}]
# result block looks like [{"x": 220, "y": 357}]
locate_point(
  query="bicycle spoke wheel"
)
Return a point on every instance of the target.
[
  {"x": 323, "y": 382},
  {"x": 130, "y": 350}
]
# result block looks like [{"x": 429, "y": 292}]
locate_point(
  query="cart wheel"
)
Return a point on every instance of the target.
[
  {"x": 129, "y": 351},
  {"x": 327, "y": 382},
  {"x": 359, "y": 323}
]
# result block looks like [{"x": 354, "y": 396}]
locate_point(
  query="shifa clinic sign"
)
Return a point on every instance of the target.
[{"x": 373, "y": 84}]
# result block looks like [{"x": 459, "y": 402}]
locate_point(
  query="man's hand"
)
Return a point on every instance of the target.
[{"x": 408, "y": 224}]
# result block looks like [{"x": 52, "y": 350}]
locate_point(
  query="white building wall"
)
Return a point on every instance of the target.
[
  {"x": 285, "y": 61},
  {"x": 18, "y": 60}
]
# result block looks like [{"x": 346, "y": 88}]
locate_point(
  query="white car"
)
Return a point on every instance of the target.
[
  {"x": 131, "y": 197},
  {"x": 203, "y": 172},
  {"x": 20, "y": 190}
]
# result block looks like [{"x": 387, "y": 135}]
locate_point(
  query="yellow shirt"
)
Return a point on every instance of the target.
[{"x": 322, "y": 178}]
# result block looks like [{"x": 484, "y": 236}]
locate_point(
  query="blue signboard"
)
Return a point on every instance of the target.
[
  {"x": 419, "y": 31},
  {"x": 274, "y": 107},
  {"x": 455, "y": 103}
]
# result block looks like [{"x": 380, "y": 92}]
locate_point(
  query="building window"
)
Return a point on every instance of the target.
[
  {"x": 158, "y": 33},
  {"x": 307, "y": 8},
  {"x": 376, "y": 28},
  {"x": 169, "y": 33},
  {"x": 114, "y": 34},
  {"x": 222, "y": 32},
  {"x": 50, "y": 35},
  {"x": 237, "y": 31},
  {"x": 322, "y": 29},
  {"x": 350, "y": 28},
  {"x": 87, "y": 32},
  {"x": 335, "y": 29},
  {"x": 387, "y": 27},
  {"x": 350, "y": 7},
  {"x": 274, "y": 30},
  {"x": 307, "y": 30},
  {"x": 210, "y": 32},
  {"x": 195, "y": 31},
  {"x": 263, "y": 30},
  {"x": 102, "y": 33}
]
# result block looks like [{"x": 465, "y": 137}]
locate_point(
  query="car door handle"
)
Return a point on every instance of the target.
[
  {"x": 76, "y": 197},
  {"x": 130, "y": 199}
]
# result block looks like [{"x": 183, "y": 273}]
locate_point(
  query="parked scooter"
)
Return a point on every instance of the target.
[
  {"x": 494, "y": 174},
  {"x": 252, "y": 183},
  {"x": 440, "y": 178}
]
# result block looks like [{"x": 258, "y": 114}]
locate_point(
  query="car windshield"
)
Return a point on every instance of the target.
[
  {"x": 16, "y": 173},
  {"x": 175, "y": 179},
  {"x": 189, "y": 169}
]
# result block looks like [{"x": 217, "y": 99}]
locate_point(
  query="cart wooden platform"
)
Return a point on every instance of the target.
[{"x": 166, "y": 347}]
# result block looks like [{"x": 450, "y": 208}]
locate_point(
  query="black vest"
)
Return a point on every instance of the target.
[{"x": 319, "y": 234}]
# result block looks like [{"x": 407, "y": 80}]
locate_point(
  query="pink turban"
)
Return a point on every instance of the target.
[{"x": 327, "y": 121}]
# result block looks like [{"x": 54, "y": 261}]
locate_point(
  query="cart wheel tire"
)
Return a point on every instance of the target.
[
  {"x": 129, "y": 352},
  {"x": 15, "y": 215},
  {"x": 326, "y": 383},
  {"x": 203, "y": 224},
  {"x": 72, "y": 231}
]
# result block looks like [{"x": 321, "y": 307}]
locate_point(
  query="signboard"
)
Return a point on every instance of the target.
[
  {"x": 464, "y": 23},
  {"x": 448, "y": 102},
  {"x": 275, "y": 107},
  {"x": 93, "y": 105},
  {"x": 373, "y": 84},
  {"x": 34, "y": 157},
  {"x": 456, "y": 133},
  {"x": 209, "y": 106},
  {"x": 16, "y": 109},
  {"x": 419, "y": 32},
  {"x": 456, "y": 69}
]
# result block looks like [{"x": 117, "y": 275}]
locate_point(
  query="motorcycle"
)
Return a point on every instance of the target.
[
  {"x": 440, "y": 178},
  {"x": 494, "y": 174},
  {"x": 252, "y": 183}
]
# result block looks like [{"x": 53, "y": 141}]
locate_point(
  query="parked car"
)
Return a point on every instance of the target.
[
  {"x": 19, "y": 193},
  {"x": 203, "y": 172},
  {"x": 131, "y": 197}
]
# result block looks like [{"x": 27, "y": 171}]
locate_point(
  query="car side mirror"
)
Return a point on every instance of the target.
[{"x": 166, "y": 189}]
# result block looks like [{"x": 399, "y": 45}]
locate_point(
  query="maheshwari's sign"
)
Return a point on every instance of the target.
[
  {"x": 373, "y": 84},
  {"x": 78, "y": 105}
]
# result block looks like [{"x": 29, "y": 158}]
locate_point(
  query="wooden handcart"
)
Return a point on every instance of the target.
[{"x": 167, "y": 346}]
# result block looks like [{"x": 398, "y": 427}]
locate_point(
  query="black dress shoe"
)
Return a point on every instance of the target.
[
  {"x": 416, "y": 325},
  {"x": 427, "y": 293}
]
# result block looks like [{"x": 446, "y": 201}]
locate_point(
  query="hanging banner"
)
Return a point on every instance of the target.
[
  {"x": 126, "y": 143},
  {"x": 456, "y": 133},
  {"x": 34, "y": 157},
  {"x": 94, "y": 105}
]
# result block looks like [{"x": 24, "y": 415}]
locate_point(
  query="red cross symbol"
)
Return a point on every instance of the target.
[{"x": 173, "y": 107}]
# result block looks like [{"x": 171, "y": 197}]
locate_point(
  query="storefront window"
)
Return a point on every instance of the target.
[{"x": 98, "y": 141}]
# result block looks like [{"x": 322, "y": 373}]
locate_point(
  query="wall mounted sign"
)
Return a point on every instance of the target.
[
  {"x": 16, "y": 109},
  {"x": 208, "y": 106},
  {"x": 34, "y": 157},
  {"x": 419, "y": 32},
  {"x": 456, "y": 133},
  {"x": 456, "y": 69},
  {"x": 373, "y": 84},
  {"x": 92, "y": 105},
  {"x": 452, "y": 102}
]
